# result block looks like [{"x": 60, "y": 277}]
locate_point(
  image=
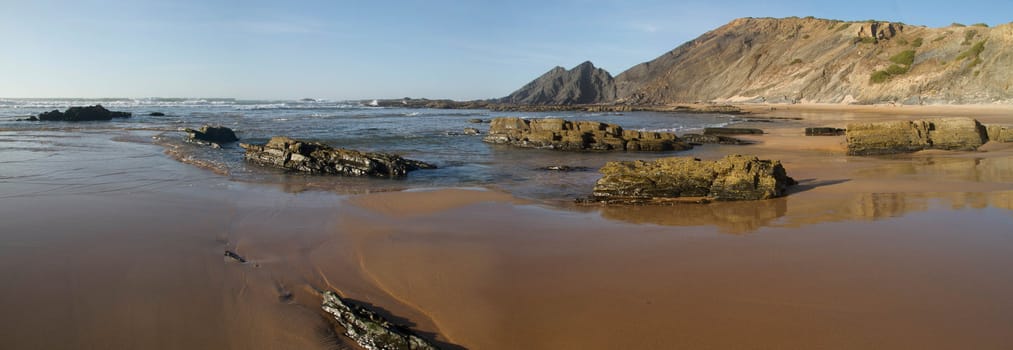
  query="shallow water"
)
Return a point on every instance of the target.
[{"x": 429, "y": 135}]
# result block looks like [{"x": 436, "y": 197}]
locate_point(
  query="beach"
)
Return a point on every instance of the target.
[{"x": 111, "y": 243}]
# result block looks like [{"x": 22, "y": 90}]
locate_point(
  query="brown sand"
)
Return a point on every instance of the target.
[{"x": 870, "y": 253}]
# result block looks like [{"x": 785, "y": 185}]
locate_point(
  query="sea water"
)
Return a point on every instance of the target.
[{"x": 431, "y": 135}]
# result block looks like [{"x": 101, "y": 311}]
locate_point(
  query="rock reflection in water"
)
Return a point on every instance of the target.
[{"x": 729, "y": 217}]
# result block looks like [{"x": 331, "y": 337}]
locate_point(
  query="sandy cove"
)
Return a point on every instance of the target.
[{"x": 873, "y": 253}]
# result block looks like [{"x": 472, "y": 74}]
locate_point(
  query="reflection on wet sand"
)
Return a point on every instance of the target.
[{"x": 886, "y": 188}]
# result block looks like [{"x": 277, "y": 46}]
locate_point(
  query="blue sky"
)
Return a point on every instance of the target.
[{"x": 367, "y": 49}]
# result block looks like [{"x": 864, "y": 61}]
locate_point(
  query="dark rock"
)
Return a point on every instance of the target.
[
  {"x": 564, "y": 168},
  {"x": 232, "y": 255},
  {"x": 319, "y": 158},
  {"x": 77, "y": 114},
  {"x": 472, "y": 131},
  {"x": 732, "y": 131},
  {"x": 734, "y": 177},
  {"x": 476, "y": 121},
  {"x": 369, "y": 329},
  {"x": 156, "y": 114},
  {"x": 213, "y": 136},
  {"x": 583, "y": 84},
  {"x": 824, "y": 131},
  {"x": 31, "y": 118},
  {"x": 567, "y": 135},
  {"x": 697, "y": 139},
  {"x": 960, "y": 134}
]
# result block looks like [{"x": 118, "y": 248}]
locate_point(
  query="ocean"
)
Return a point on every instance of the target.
[{"x": 431, "y": 135}]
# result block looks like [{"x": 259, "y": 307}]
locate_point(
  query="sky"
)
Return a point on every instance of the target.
[{"x": 373, "y": 49}]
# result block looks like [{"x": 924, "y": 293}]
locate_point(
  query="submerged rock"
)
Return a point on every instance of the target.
[
  {"x": 734, "y": 177},
  {"x": 824, "y": 131},
  {"x": 472, "y": 131},
  {"x": 319, "y": 158},
  {"x": 79, "y": 114},
  {"x": 156, "y": 114},
  {"x": 578, "y": 136},
  {"x": 564, "y": 168},
  {"x": 371, "y": 330},
  {"x": 959, "y": 134},
  {"x": 213, "y": 136}
]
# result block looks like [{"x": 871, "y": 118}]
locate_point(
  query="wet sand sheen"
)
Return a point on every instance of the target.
[{"x": 122, "y": 249}]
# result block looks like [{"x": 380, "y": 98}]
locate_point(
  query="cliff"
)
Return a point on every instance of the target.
[{"x": 810, "y": 60}]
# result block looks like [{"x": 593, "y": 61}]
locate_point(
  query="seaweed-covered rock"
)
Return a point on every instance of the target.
[
  {"x": 208, "y": 135},
  {"x": 319, "y": 158},
  {"x": 578, "y": 136},
  {"x": 735, "y": 177},
  {"x": 962, "y": 134},
  {"x": 80, "y": 114},
  {"x": 371, "y": 330}
]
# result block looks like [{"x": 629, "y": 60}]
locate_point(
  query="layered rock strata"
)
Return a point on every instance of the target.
[
  {"x": 958, "y": 134},
  {"x": 578, "y": 136},
  {"x": 319, "y": 158},
  {"x": 734, "y": 177}
]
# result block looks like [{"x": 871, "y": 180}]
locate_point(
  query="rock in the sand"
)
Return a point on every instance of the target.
[
  {"x": 369, "y": 329},
  {"x": 208, "y": 135},
  {"x": 232, "y": 255},
  {"x": 568, "y": 135},
  {"x": 999, "y": 133},
  {"x": 732, "y": 131},
  {"x": 959, "y": 134},
  {"x": 79, "y": 114},
  {"x": 734, "y": 177},
  {"x": 319, "y": 158},
  {"x": 472, "y": 131},
  {"x": 697, "y": 139},
  {"x": 156, "y": 114},
  {"x": 824, "y": 131}
]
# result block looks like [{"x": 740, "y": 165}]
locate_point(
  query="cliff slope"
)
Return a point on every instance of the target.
[{"x": 810, "y": 60}]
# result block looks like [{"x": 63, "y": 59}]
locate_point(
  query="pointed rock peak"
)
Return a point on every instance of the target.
[{"x": 585, "y": 65}]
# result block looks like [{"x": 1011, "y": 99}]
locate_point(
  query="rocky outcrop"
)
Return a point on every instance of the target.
[
  {"x": 80, "y": 114},
  {"x": 319, "y": 158},
  {"x": 698, "y": 139},
  {"x": 732, "y": 131},
  {"x": 734, "y": 177},
  {"x": 584, "y": 84},
  {"x": 999, "y": 133},
  {"x": 213, "y": 136},
  {"x": 371, "y": 330},
  {"x": 959, "y": 134},
  {"x": 578, "y": 136},
  {"x": 823, "y": 131}
]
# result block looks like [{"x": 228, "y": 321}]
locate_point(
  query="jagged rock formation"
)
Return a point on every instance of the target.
[
  {"x": 213, "y": 136},
  {"x": 80, "y": 114},
  {"x": 371, "y": 330},
  {"x": 735, "y": 177},
  {"x": 999, "y": 133},
  {"x": 584, "y": 84},
  {"x": 318, "y": 158},
  {"x": 960, "y": 134},
  {"x": 578, "y": 136},
  {"x": 810, "y": 60}
]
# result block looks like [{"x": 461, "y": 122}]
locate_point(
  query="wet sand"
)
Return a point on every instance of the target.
[{"x": 111, "y": 244}]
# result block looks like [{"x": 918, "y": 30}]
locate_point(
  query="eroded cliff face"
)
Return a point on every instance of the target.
[
  {"x": 583, "y": 84},
  {"x": 809, "y": 60}
]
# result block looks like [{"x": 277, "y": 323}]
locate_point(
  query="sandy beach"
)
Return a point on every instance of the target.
[{"x": 109, "y": 243}]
